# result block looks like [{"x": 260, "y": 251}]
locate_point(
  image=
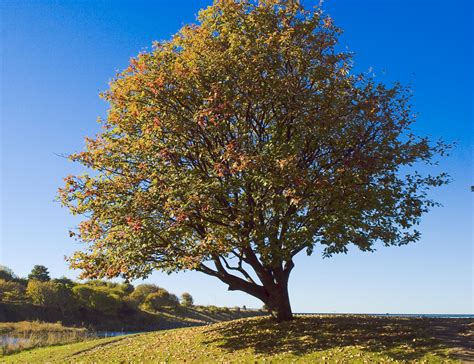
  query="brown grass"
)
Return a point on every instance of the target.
[{"x": 18, "y": 336}]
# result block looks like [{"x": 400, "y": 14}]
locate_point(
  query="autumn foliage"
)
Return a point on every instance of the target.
[{"x": 240, "y": 142}]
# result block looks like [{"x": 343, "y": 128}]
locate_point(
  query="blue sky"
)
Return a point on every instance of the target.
[{"x": 56, "y": 56}]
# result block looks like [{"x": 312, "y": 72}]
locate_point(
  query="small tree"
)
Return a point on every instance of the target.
[
  {"x": 39, "y": 273},
  {"x": 6, "y": 273},
  {"x": 243, "y": 141},
  {"x": 187, "y": 299}
]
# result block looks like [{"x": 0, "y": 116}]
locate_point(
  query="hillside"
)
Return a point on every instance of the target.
[
  {"x": 135, "y": 320},
  {"x": 307, "y": 339}
]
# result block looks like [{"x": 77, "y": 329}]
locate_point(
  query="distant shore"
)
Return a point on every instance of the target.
[{"x": 428, "y": 315}]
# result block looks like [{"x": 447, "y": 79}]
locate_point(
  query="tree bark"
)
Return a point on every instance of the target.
[
  {"x": 279, "y": 303},
  {"x": 273, "y": 291}
]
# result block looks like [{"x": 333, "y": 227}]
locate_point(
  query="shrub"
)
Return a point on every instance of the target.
[
  {"x": 83, "y": 294},
  {"x": 127, "y": 288},
  {"x": 11, "y": 291},
  {"x": 142, "y": 291},
  {"x": 212, "y": 308},
  {"x": 187, "y": 299},
  {"x": 160, "y": 299},
  {"x": 97, "y": 299},
  {"x": 41, "y": 293},
  {"x": 50, "y": 294},
  {"x": 64, "y": 282}
]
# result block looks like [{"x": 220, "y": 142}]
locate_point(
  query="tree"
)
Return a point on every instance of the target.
[
  {"x": 241, "y": 142},
  {"x": 6, "y": 273},
  {"x": 187, "y": 299},
  {"x": 39, "y": 273}
]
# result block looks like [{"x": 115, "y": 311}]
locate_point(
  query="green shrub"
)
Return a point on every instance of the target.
[
  {"x": 41, "y": 293},
  {"x": 11, "y": 291},
  {"x": 187, "y": 299},
  {"x": 64, "y": 282},
  {"x": 50, "y": 294},
  {"x": 127, "y": 288},
  {"x": 142, "y": 291},
  {"x": 98, "y": 299},
  {"x": 160, "y": 299},
  {"x": 212, "y": 308}
]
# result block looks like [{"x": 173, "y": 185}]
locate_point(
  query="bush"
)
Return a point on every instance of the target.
[
  {"x": 160, "y": 299},
  {"x": 98, "y": 299},
  {"x": 50, "y": 294},
  {"x": 212, "y": 308},
  {"x": 128, "y": 306},
  {"x": 41, "y": 293},
  {"x": 126, "y": 288},
  {"x": 142, "y": 291},
  {"x": 11, "y": 291},
  {"x": 187, "y": 299},
  {"x": 64, "y": 282}
]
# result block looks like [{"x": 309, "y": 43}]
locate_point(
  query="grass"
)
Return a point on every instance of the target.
[
  {"x": 18, "y": 336},
  {"x": 354, "y": 339}
]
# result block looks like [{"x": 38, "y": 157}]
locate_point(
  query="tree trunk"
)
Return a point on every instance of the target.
[
  {"x": 279, "y": 303},
  {"x": 273, "y": 291}
]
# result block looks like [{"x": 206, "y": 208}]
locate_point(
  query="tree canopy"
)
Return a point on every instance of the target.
[
  {"x": 240, "y": 142},
  {"x": 39, "y": 273}
]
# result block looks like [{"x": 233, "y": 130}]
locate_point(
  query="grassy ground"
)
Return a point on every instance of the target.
[{"x": 307, "y": 339}]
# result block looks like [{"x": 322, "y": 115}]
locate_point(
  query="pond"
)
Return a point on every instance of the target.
[
  {"x": 11, "y": 340},
  {"x": 114, "y": 333}
]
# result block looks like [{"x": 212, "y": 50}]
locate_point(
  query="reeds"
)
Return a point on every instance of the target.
[{"x": 18, "y": 336}]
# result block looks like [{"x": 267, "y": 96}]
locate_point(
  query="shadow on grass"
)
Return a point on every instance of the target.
[{"x": 398, "y": 338}]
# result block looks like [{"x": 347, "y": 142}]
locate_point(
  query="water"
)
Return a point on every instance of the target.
[
  {"x": 427, "y": 315},
  {"x": 115, "y": 333},
  {"x": 8, "y": 340},
  {"x": 11, "y": 340}
]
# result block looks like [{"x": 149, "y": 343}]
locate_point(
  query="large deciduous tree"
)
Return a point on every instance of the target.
[{"x": 241, "y": 142}]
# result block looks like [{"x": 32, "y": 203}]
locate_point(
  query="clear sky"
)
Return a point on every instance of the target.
[{"x": 56, "y": 56}]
